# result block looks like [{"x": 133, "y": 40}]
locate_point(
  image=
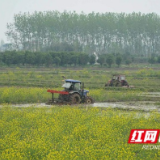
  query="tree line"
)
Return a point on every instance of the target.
[
  {"x": 43, "y": 58},
  {"x": 103, "y": 33},
  {"x": 25, "y": 58}
]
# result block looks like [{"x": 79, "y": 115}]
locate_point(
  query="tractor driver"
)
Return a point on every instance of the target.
[
  {"x": 75, "y": 86},
  {"x": 71, "y": 87}
]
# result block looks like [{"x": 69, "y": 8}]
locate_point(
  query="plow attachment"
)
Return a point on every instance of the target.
[{"x": 57, "y": 100}]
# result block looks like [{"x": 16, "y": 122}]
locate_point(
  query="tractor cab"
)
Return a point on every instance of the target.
[
  {"x": 118, "y": 77},
  {"x": 71, "y": 85}
]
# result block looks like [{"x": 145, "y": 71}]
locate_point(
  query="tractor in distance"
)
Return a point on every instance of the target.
[
  {"x": 73, "y": 93},
  {"x": 117, "y": 81}
]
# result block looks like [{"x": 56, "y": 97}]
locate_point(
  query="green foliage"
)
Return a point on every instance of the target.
[
  {"x": 92, "y": 59},
  {"x": 41, "y": 58},
  {"x": 127, "y": 58},
  {"x": 128, "y": 61},
  {"x": 48, "y": 60},
  {"x": 118, "y": 60},
  {"x": 64, "y": 46},
  {"x": 83, "y": 59},
  {"x": 69, "y": 31},
  {"x": 152, "y": 60},
  {"x": 57, "y": 61},
  {"x": 158, "y": 59},
  {"x": 109, "y": 60},
  {"x": 101, "y": 59},
  {"x": 28, "y": 58},
  {"x": 74, "y": 59}
]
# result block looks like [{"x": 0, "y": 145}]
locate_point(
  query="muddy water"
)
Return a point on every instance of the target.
[
  {"x": 136, "y": 105},
  {"x": 141, "y": 105},
  {"x": 127, "y": 106}
]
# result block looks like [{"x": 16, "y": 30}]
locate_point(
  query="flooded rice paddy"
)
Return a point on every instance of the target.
[
  {"x": 145, "y": 106},
  {"x": 132, "y": 105}
]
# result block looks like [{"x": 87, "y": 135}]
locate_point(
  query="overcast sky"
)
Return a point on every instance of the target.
[{"x": 10, "y": 7}]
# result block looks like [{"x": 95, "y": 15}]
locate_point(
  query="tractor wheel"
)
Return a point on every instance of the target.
[
  {"x": 75, "y": 98},
  {"x": 125, "y": 83},
  {"x": 89, "y": 100},
  {"x": 118, "y": 84}
]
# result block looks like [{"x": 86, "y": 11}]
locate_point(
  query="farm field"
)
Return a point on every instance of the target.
[
  {"x": 59, "y": 132},
  {"x": 75, "y": 132},
  {"x": 146, "y": 79},
  {"x": 22, "y": 85}
]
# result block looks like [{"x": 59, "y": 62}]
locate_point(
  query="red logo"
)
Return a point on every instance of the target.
[{"x": 143, "y": 136}]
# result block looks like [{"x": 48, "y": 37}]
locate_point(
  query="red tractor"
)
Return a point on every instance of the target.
[{"x": 117, "y": 81}]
